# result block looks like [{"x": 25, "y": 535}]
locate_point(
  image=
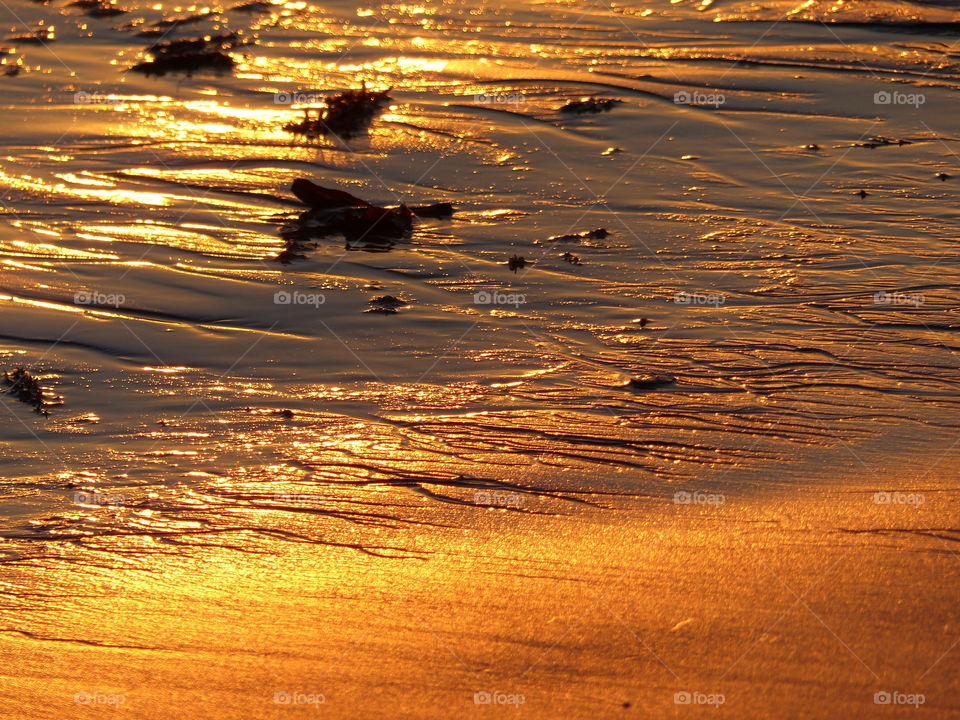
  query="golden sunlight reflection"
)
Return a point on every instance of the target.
[{"x": 324, "y": 361}]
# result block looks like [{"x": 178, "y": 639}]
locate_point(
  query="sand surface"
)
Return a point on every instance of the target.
[{"x": 257, "y": 496}]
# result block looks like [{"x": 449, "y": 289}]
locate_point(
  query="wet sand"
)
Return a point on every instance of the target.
[
  {"x": 700, "y": 463},
  {"x": 772, "y": 601}
]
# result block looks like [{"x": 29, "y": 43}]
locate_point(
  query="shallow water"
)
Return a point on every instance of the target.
[{"x": 809, "y": 331}]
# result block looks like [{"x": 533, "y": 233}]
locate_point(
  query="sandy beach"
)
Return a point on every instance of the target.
[
  {"x": 426, "y": 361},
  {"x": 774, "y": 602}
]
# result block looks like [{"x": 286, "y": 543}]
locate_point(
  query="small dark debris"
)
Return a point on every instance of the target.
[
  {"x": 863, "y": 194},
  {"x": 590, "y": 105},
  {"x": 612, "y": 151},
  {"x": 40, "y": 36},
  {"x": 188, "y": 63},
  {"x": 571, "y": 258},
  {"x": 811, "y": 146},
  {"x": 642, "y": 322},
  {"x": 881, "y": 141},
  {"x": 516, "y": 263},
  {"x": 942, "y": 176},
  {"x": 253, "y": 7},
  {"x": 437, "y": 210},
  {"x": 597, "y": 234},
  {"x": 648, "y": 382}
]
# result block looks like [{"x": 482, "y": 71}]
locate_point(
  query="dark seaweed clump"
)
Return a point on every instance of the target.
[
  {"x": 590, "y": 105},
  {"x": 386, "y": 305},
  {"x": 363, "y": 226},
  {"x": 517, "y": 262},
  {"x": 345, "y": 114},
  {"x": 203, "y": 54},
  {"x": 598, "y": 234},
  {"x": 27, "y": 389},
  {"x": 881, "y": 141}
]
